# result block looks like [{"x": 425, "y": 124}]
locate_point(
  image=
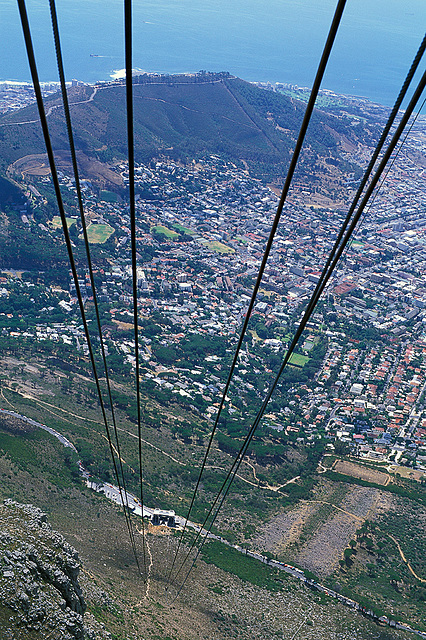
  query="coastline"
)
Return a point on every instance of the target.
[{"x": 296, "y": 91}]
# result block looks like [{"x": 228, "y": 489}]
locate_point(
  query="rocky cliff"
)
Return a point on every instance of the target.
[{"x": 40, "y": 595}]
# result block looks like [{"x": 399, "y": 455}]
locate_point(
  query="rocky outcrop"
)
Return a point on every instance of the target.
[{"x": 39, "y": 588}]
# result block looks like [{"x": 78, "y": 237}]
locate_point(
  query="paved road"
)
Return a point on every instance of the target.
[
  {"x": 62, "y": 439},
  {"x": 51, "y": 109}
]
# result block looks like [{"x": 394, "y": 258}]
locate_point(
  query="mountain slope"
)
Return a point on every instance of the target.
[{"x": 185, "y": 117}]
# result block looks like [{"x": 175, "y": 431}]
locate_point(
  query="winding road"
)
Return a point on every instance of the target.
[{"x": 52, "y": 108}]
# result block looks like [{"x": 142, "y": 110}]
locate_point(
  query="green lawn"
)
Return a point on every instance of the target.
[
  {"x": 99, "y": 233},
  {"x": 185, "y": 230},
  {"x": 219, "y": 247},
  {"x": 169, "y": 233},
  {"x": 57, "y": 224},
  {"x": 108, "y": 196},
  {"x": 298, "y": 359}
]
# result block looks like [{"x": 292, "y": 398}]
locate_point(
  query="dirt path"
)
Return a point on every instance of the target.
[
  {"x": 302, "y": 624},
  {"x": 321, "y": 468},
  {"x": 8, "y": 401},
  {"x": 37, "y": 401},
  {"x": 259, "y": 484},
  {"x": 74, "y": 415},
  {"x": 148, "y": 572},
  {"x": 253, "y": 484},
  {"x": 404, "y": 559},
  {"x": 168, "y": 455},
  {"x": 52, "y": 108},
  {"x": 254, "y": 124},
  {"x": 265, "y": 485},
  {"x": 48, "y": 404},
  {"x": 348, "y": 513}
]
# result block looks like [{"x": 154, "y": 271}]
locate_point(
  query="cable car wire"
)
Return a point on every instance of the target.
[
  {"x": 59, "y": 60},
  {"x": 364, "y": 180},
  {"x": 372, "y": 162},
  {"x": 131, "y": 158},
  {"x": 43, "y": 121},
  {"x": 311, "y": 306},
  {"x": 370, "y": 204},
  {"x": 294, "y": 160}
]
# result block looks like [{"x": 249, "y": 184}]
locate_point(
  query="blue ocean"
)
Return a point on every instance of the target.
[{"x": 277, "y": 41}]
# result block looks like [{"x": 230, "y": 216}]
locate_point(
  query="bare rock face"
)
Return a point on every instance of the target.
[{"x": 39, "y": 589}]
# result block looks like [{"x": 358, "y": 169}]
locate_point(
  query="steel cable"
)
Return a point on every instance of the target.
[
  {"x": 131, "y": 158},
  {"x": 65, "y": 101},
  {"x": 294, "y": 160},
  {"x": 46, "y": 135},
  {"x": 311, "y": 306}
]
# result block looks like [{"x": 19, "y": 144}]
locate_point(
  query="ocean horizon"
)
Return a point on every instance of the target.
[{"x": 371, "y": 56}]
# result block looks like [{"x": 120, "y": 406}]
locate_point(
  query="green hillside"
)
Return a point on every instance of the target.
[{"x": 184, "y": 117}]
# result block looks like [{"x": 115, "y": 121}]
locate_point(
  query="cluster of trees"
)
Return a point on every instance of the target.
[
  {"x": 30, "y": 248},
  {"x": 9, "y": 194},
  {"x": 192, "y": 350}
]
